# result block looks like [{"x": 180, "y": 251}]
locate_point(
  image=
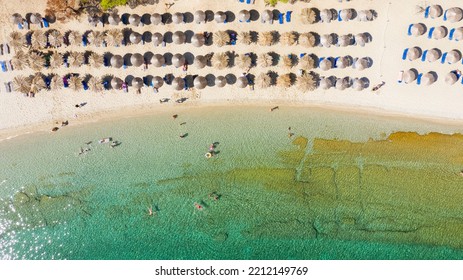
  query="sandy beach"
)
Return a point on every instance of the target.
[{"x": 19, "y": 114}]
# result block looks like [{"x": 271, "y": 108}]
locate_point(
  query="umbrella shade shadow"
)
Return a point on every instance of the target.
[
  {"x": 148, "y": 56},
  {"x": 230, "y": 17},
  {"x": 231, "y": 79},
  {"x": 125, "y": 18},
  {"x": 146, "y": 19},
  {"x": 129, "y": 79},
  {"x": 188, "y": 35},
  {"x": 188, "y": 17},
  {"x": 231, "y": 58},
  {"x": 147, "y": 37},
  {"x": 189, "y": 80},
  {"x": 148, "y": 79},
  {"x": 209, "y": 15},
  {"x": 275, "y": 58},
  {"x": 189, "y": 58},
  {"x": 168, "y": 58},
  {"x": 276, "y": 14},
  {"x": 168, "y": 37},
  {"x": 273, "y": 77},
  {"x": 210, "y": 78},
  {"x": 166, "y": 18},
  {"x": 254, "y": 15},
  {"x": 254, "y": 36},
  {"x": 366, "y": 82},
  {"x": 126, "y": 58}
]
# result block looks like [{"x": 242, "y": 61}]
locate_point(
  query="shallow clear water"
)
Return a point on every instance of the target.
[{"x": 57, "y": 204}]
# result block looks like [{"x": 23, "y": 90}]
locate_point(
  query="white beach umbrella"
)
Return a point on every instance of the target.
[
  {"x": 200, "y": 61},
  {"x": 178, "y": 83},
  {"x": 451, "y": 78},
  {"x": 267, "y": 16},
  {"x": 458, "y": 34},
  {"x": 134, "y": 19},
  {"x": 157, "y": 82},
  {"x": 453, "y": 56},
  {"x": 158, "y": 60},
  {"x": 198, "y": 40},
  {"x": 343, "y": 62},
  {"x": 414, "y": 53},
  {"x": 326, "y": 64},
  {"x": 156, "y": 19},
  {"x": 178, "y": 37},
  {"x": 409, "y": 76},
  {"x": 114, "y": 19},
  {"x": 116, "y": 83},
  {"x": 136, "y": 59},
  {"x": 345, "y": 40},
  {"x": 454, "y": 14},
  {"x": 36, "y": 18},
  {"x": 242, "y": 82},
  {"x": 439, "y": 32},
  {"x": 220, "y": 81},
  {"x": 244, "y": 15},
  {"x": 418, "y": 29},
  {"x": 137, "y": 83},
  {"x": 177, "y": 18},
  {"x": 326, "y": 83},
  {"x": 326, "y": 15},
  {"x": 361, "y": 63},
  {"x": 435, "y": 11},
  {"x": 157, "y": 38},
  {"x": 326, "y": 40},
  {"x": 200, "y": 82},
  {"x": 342, "y": 83},
  {"x": 16, "y": 18},
  {"x": 358, "y": 84},
  {"x": 428, "y": 79},
  {"x": 200, "y": 17},
  {"x": 365, "y": 15},
  {"x": 178, "y": 60},
  {"x": 361, "y": 39},
  {"x": 433, "y": 55},
  {"x": 220, "y": 17},
  {"x": 135, "y": 38},
  {"x": 346, "y": 14},
  {"x": 116, "y": 61}
]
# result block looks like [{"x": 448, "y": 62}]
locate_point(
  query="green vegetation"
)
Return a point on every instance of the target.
[{"x": 108, "y": 4}]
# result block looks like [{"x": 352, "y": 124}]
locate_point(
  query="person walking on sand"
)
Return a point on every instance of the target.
[{"x": 274, "y": 108}]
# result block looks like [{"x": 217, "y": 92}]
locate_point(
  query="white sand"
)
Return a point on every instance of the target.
[{"x": 19, "y": 114}]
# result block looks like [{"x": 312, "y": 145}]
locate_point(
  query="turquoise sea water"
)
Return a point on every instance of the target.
[{"x": 56, "y": 204}]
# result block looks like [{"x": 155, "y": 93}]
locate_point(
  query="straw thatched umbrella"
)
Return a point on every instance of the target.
[
  {"x": 16, "y": 40},
  {"x": 36, "y": 61},
  {"x": 157, "y": 38},
  {"x": 177, "y": 18},
  {"x": 37, "y": 83},
  {"x": 198, "y": 40},
  {"x": 265, "y": 60},
  {"x": 134, "y": 19},
  {"x": 358, "y": 84},
  {"x": 326, "y": 64},
  {"x": 200, "y": 61},
  {"x": 178, "y": 83},
  {"x": 361, "y": 63},
  {"x": 220, "y": 81},
  {"x": 326, "y": 83},
  {"x": 365, "y": 15},
  {"x": 135, "y": 37},
  {"x": 454, "y": 14},
  {"x": 265, "y": 38},
  {"x": 116, "y": 83},
  {"x": 439, "y": 32},
  {"x": 435, "y": 11},
  {"x": 284, "y": 80},
  {"x": 75, "y": 38},
  {"x": 453, "y": 56},
  {"x": 326, "y": 15},
  {"x": 55, "y": 38},
  {"x": 114, "y": 18},
  {"x": 75, "y": 83},
  {"x": 221, "y": 38},
  {"x": 220, "y": 60},
  {"x": 433, "y": 55},
  {"x": 306, "y": 82},
  {"x": 288, "y": 38},
  {"x": 244, "y": 61},
  {"x": 200, "y": 82},
  {"x": 346, "y": 14},
  {"x": 156, "y": 19},
  {"x": 114, "y": 37},
  {"x": 220, "y": 17},
  {"x": 451, "y": 78},
  {"x": 137, "y": 83},
  {"x": 307, "y": 40},
  {"x": 409, "y": 76},
  {"x": 244, "y": 15},
  {"x": 245, "y": 38},
  {"x": 326, "y": 40},
  {"x": 343, "y": 62},
  {"x": 414, "y": 53},
  {"x": 95, "y": 84},
  {"x": 16, "y": 18},
  {"x": 200, "y": 17},
  {"x": 428, "y": 79},
  {"x": 178, "y": 37},
  {"x": 39, "y": 39},
  {"x": 56, "y": 82},
  {"x": 137, "y": 59},
  {"x": 21, "y": 84},
  {"x": 267, "y": 16},
  {"x": 418, "y": 29},
  {"x": 308, "y": 16},
  {"x": 95, "y": 60},
  {"x": 345, "y": 40},
  {"x": 307, "y": 62},
  {"x": 56, "y": 60},
  {"x": 178, "y": 60},
  {"x": 117, "y": 61},
  {"x": 36, "y": 18},
  {"x": 157, "y": 82},
  {"x": 76, "y": 59},
  {"x": 263, "y": 80},
  {"x": 20, "y": 60},
  {"x": 458, "y": 34},
  {"x": 242, "y": 82},
  {"x": 158, "y": 60},
  {"x": 342, "y": 83},
  {"x": 96, "y": 38},
  {"x": 287, "y": 61}
]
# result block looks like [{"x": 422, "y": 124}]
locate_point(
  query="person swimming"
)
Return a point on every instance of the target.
[{"x": 198, "y": 206}]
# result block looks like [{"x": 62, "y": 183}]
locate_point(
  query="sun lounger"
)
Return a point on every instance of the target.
[
  {"x": 451, "y": 33},
  {"x": 418, "y": 80},
  {"x": 242, "y": 1},
  {"x": 65, "y": 82},
  {"x": 426, "y": 12},
  {"x": 45, "y": 23},
  {"x": 401, "y": 77},
  {"x": 6, "y": 49},
  {"x": 339, "y": 15},
  {"x": 4, "y": 69},
  {"x": 1, "y": 49},
  {"x": 288, "y": 16},
  {"x": 445, "y": 15},
  {"x": 404, "y": 55},
  {"x": 444, "y": 57},
  {"x": 280, "y": 18},
  {"x": 85, "y": 85},
  {"x": 84, "y": 41},
  {"x": 302, "y": 55},
  {"x": 423, "y": 57},
  {"x": 106, "y": 62},
  {"x": 430, "y": 32},
  {"x": 410, "y": 30},
  {"x": 8, "y": 65},
  {"x": 20, "y": 26}
]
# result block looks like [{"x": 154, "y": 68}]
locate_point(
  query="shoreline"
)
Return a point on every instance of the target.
[{"x": 153, "y": 109}]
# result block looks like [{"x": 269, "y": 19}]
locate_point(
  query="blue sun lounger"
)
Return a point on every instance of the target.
[
  {"x": 418, "y": 81},
  {"x": 426, "y": 12},
  {"x": 242, "y": 1},
  {"x": 85, "y": 85},
  {"x": 451, "y": 33},
  {"x": 423, "y": 57},
  {"x": 444, "y": 56},
  {"x": 445, "y": 16},
  {"x": 4, "y": 69},
  {"x": 288, "y": 16},
  {"x": 339, "y": 15},
  {"x": 20, "y": 26},
  {"x": 404, "y": 55},
  {"x": 106, "y": 62},
  {"x": 430, "y": 32},
  {"x": 302, "y": 55},
  {"x": 410, "y": 30},
  {"x": 280, "y": 18},
  {"x": 46, "y": 24}
]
